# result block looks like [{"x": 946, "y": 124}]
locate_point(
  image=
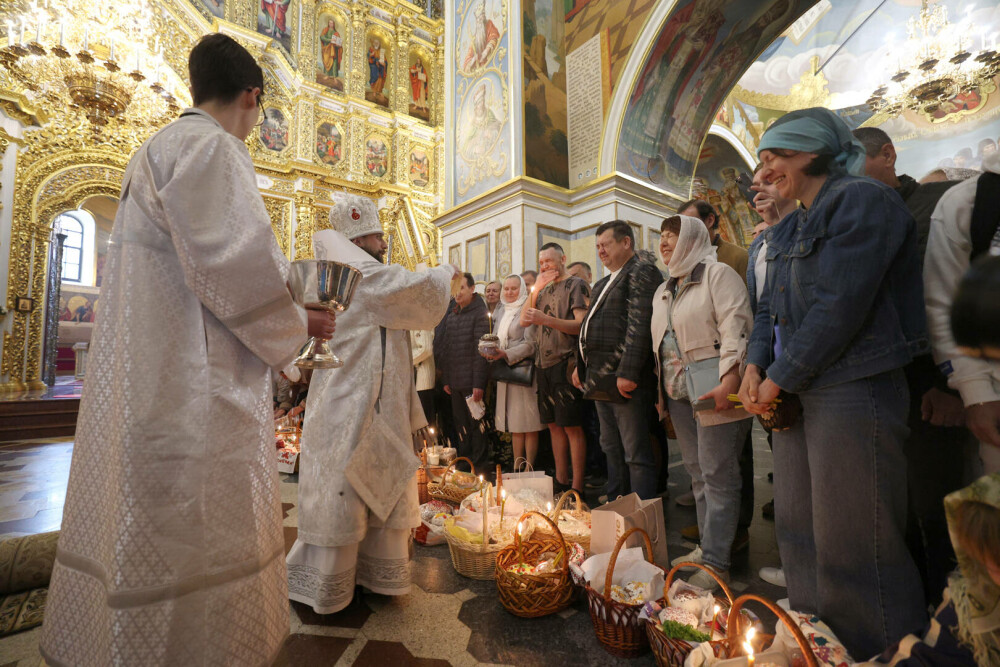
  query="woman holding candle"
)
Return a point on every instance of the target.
[
  {"x": 841, "y": 313},
  {"x": 517, "y": 405}
]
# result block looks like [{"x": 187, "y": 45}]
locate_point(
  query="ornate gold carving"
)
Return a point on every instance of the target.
[
  {"x": 305, "y": 223},
  {"x": 278, "y": 211},
  {"x": 811, "y": 91}
]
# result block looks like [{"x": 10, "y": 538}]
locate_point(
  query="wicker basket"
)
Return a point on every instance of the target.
[
  {"x": 734, "y": 629},
  {"x": 670, "y": 652},
  {"x": 582, "y": 511},
  {"x": 424, "y": 474},
  {"x": 449, "y": 492},
  {"x": 534, "y": 595},
  {"x": 616, "y": 624}
]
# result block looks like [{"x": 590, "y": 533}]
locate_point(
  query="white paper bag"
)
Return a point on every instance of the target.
[
  {"x": 609, "y": 522},
  {"x": 476, "y": 408},
  {"x": 524, "y": 477}
]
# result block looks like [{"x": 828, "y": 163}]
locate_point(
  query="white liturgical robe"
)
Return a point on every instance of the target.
[
  {"x": 171, "y": 550},
  {"x": 357, "y": 464}
]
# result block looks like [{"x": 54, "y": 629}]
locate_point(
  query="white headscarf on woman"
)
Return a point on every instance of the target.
[
  {"x": 511, "y": 309},
  {"x": 693, "y": 247}
]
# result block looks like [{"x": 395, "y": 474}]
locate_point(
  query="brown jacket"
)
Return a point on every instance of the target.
[{"x": 732, "y": 255}]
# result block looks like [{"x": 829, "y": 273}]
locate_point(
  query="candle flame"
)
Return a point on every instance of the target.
[
  {"x": 480, "y": 479},
  {"x": 520, "y": 528},
  {"x": 717, "y": 609},
  {"x": 503, "y": 494},
  {"x": 749, "y": 649},
  {"x": 431, "y": 430},
  {"x": 548, "y": 506},
  {"x": 751, "y": 631}
]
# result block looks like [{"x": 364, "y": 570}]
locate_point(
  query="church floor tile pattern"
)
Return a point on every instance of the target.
[{"x": 445, "y": 620}]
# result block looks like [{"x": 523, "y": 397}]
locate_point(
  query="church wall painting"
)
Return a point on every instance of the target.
[
  {"x": 546, "y": 150},
  {"x": 419, "y": 85},
  {"x": 216, "y": 8},
  {"x": 477, "y": 258},
  {"x": 331, "y": 44},
  {"x": 274, "y": 19},
  {"x": 420, "y": 168},
  {"x": 274, "y": 130},
  {"x": 379, "y": 64},
  {"x": 376, "y": 156},
  {"x": 715, "y": 181},
  {"x": 329, "y": 144},
  {"x": 622, "y": 20},
  {"x": 482, "y": 143},
  {"x": 700, "y": 52}
]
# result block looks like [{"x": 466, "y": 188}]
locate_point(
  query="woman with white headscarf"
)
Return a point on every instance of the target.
[
  {"x": 700, "y": 325},
  {"x": 517, "y": 405}
]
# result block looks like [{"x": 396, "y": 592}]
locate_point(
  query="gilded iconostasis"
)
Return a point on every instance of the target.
[{"x": 354, "y": 100}]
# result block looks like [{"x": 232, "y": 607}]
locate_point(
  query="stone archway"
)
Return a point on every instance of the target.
[
  {"x": 54, "y": 174},
  {"x": 687, "y": 58}
]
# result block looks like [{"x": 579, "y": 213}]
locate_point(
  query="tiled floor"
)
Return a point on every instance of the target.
[{"x": 446, "y": 619}]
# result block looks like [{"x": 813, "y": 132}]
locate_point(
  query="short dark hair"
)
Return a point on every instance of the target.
[
  {"x": 221, "y": 69},
  {"x": 583, "y": 264},
  {"x": 552, "y": 246},
  {"x": 760, "y": 165},
  {"x": 671, "y": 223},
  {"x": 534, "y": 274},
  {"x": 872, "y": 138},
  {"x": 703, "y": 208},
  {"x": 620, "y": 228},
  {"x": 469, "y": 280},
  {"x": 975, "y": 313}
]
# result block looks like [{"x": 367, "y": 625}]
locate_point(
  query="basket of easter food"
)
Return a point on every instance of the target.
[
  {"x": 454, "y": 486},
  {"x": 617, "y": 586},
  {"x": 687, "y": 616},
  {"x": 573, "y": 520},
  {"x": 532, "y": 575}
]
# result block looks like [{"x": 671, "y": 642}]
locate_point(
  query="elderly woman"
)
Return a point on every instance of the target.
[
  {"x": 517, "y": 405},
  {"x": 841, "y": 313},
  {"x": 700, "y": 325}
]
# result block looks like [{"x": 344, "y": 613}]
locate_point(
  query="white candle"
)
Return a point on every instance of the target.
[
  {"x": 86, "y": 34},
  {"x": 112, "y": 49},
  {"x": 10, "y": 32},
  {"x": 62, "y": 33}
]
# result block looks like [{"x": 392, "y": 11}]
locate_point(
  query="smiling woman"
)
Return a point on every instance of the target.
[{"x": 841, "y": 313}]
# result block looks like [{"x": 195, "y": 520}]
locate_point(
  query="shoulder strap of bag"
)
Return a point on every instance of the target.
[{"x": 985, "y": 214}]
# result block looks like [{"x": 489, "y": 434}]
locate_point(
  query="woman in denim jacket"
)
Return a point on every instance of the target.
[
  {"x": 841, "y": 313},
  {"x": 702, "y": 313}
]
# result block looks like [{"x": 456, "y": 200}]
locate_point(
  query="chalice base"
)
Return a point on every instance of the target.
[{"x": 317, "y": 354}]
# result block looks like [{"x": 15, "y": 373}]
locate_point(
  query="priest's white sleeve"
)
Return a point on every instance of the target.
[{"x": 227, "y": 250}]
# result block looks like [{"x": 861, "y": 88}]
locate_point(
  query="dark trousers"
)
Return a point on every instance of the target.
[
  {"x": 472, "y": 442},
  {"x": 597, "y": 463},
  {"x": 746, "y": 475},
  {"x": 427, "y": 403},
  {"x": 939, "y": 460}
]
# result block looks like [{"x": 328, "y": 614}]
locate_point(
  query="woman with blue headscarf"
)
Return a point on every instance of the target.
[{"x": 842, "y": 312}]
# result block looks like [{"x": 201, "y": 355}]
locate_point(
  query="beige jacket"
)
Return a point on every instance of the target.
[
  {"x": 422, "y": 346},
  {"x": 711, "y": 318}
]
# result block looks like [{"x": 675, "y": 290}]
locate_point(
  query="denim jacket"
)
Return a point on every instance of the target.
[{"x": 844, "y": 288}]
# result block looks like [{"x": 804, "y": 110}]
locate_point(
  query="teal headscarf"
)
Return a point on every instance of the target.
[{"x": 817, "y": 130}]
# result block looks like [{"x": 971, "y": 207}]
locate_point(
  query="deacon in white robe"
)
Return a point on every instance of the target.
[
  {"x": 172, "y": 549},
  {"x": 357, "y": 491}
]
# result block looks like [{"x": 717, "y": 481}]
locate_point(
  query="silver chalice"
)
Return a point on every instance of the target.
[{"x": 322, "y": 285}]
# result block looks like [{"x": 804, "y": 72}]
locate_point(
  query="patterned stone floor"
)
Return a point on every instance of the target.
[{"x": 446, "y": 620}]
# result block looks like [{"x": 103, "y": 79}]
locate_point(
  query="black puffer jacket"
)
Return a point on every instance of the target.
[{"x": 461, "y": 365}]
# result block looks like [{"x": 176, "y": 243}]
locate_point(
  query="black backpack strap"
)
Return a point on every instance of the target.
[{"x": 985, "y": 214}]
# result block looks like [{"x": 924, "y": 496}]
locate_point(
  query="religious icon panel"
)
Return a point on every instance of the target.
[
  {"x": 376, "y": 156},
  {"x": 329, "y": 142},
  {"x": 481, "y": 28},
  {"x": 216, "y": 8},
  {"x": 420, "y": 168},
  {"x": 331, "y": 40},
  {"x": 419, "y": 87},
  {"x": 274, "y": 130},
  {"x": 379, "y": 63},
  {"x": 274, "y": 19}
]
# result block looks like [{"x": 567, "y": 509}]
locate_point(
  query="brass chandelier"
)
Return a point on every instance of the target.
[
  {"x": 99, "y": 59},
  {"x": 934, "y": 66}
]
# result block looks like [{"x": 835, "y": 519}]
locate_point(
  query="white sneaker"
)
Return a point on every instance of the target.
[
  {"x": 704, "y": 580},
  {"x": 773, "y": 575},
  {"x": 693, "y": 557}
]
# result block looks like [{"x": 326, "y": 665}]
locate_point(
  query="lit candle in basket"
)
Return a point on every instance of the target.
[
  {"x": 749, "y": 649},
  {"x": 520, "y": 534},
  {"x": 503, "y": 501},
  {"x": 548, "y": 508},
  {"x": 715, "y": 618}
]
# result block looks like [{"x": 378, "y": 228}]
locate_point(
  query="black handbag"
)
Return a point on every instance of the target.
[{"x": 522, "y": 373}]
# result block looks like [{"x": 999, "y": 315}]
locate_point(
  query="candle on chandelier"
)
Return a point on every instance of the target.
[
  {"x": 112, "y": 58},
  {"x": 62, "y": 33},
  {"x": 86, "y": 35},
  {"x": 10, "y": 32}
]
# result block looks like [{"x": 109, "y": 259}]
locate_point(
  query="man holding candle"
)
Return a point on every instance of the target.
[
  {"x": 464, "y": 371},
  {"x": 357, "y": 489}
]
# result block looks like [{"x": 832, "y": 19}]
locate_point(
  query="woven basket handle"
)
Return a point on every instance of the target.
[
  {"x": 677, "y": 568},
  {"x": 733, "y": 631},
  {"x": 562, "y": 541},
  {"x": 614, "y": 556},
  {"x": 451, "y": 466}
]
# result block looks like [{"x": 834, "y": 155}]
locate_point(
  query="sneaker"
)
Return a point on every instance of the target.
[
  {"x": 767, "y": 511},
  {"x": 686, "y": 500},
  {"x": 691, "y": 533},
  {"x": 773, "y": 575},
  {"x": 693, "y": 557},
  {"x": 704, "y": 580}
]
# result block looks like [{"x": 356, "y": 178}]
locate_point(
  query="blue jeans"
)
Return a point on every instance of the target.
[
  {"x": 626, "y": 442},
  {"x": 711, "y": 456},
  {"x": 840, "y": 512}
]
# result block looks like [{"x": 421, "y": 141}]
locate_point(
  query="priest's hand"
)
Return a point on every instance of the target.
[{"x": 321, "y": 323}]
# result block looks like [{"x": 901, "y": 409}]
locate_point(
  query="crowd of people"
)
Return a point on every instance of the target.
[{"x": 862, "y": 329}]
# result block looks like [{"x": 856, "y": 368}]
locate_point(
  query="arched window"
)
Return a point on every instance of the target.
[{"x": 78, "y": 249}]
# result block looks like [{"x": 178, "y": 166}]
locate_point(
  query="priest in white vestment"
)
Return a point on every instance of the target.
[
  {"x": 357, "y": 490},
  {"x": 171, "y": 550}
]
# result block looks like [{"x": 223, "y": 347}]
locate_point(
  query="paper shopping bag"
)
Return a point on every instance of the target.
[
  {"x": 525, "y": 477},
  {"x": 609, "y": 522}
]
